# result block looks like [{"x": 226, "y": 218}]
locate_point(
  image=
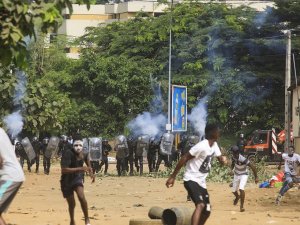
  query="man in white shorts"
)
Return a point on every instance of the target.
[
  {"x": 240, "y": 170},
  {"x": 11, "y": 173}
]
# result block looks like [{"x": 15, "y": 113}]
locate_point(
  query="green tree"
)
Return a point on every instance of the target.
[
  {"x": 219, "y": 52},
  {"x": 287, "y": 11},
  {"x": 19, "y": 22},
  {"x": 109, "y": 91},
  {"x": 7, "y": 89},
  {"x": 216, "y": 51},
  {"x": 236, "y": 57},
  {"x": 47, "y": 103}
]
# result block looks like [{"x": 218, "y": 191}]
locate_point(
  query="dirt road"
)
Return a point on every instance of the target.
[{"x": 114, "y": 200}]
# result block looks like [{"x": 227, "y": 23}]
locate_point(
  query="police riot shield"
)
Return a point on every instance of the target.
[
  {"x": 95, "y": 148},
  {"x": 121, "y": 147},
  {"x": 166, "y": 144},
  {"x": 30, "y": 153},
  {"x": 85, "y": 145},
  {"x": 193, "y": 140},
  {"x": 52, "y": 147},
  {"x": 142, "y": 145}
]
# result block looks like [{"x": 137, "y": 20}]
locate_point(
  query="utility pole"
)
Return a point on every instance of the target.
[
  {"x": 169, "y": 125},
  {"x": 287, "y": 108}
]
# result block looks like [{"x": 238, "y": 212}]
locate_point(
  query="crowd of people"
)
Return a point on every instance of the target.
[
  {"x": 132, "y": 161},
  {"x": 76, "y": 162}
]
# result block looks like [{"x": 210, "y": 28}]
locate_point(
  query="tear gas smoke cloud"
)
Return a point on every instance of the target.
[
  {"x": 261, "y": 17},
  {"x": 20, "y": 88},
  {"x": 147, "y": 123},
  {"x": 14, "y": 122},
  {"x": 151, "y": 123},
  {"x": 198, "y": 116},
  {"x": 157, "y": 102}
]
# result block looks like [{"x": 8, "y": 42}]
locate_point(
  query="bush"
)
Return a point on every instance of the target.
[
  {"x": 219, "y": 173},
  {"x": 262, "y": 172}
]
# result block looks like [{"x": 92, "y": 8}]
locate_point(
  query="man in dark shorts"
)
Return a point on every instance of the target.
[
  {"x": 72, "y": 171},
  {"x": 198, "y": 164},
  {"x": 11, "y": 173}
]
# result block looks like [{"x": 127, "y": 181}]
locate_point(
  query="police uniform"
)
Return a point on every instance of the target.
[{"x": 106, "y": 148}]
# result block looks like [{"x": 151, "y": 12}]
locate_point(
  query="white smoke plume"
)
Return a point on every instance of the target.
[
  {"x": 150, "y": 123},
  {"x": 198, "y": 117},
  {"x": 157, "y": 103},
  {"x": 14, "y": 122},
  {"x": 20, "y": 88},
  {"x": 146, "y": 123}
]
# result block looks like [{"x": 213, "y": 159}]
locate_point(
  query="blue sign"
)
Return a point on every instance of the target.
[{"x": 179, "y": 108}]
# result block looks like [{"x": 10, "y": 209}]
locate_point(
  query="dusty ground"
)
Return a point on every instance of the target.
[{"x": 114, "y": 200}]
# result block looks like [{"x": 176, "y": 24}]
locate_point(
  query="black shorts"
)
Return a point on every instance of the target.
[
  {"x": 67, "y": 189},
  {"x": 197, "y": 193}
]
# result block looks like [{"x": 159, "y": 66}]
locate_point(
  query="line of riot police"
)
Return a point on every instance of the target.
[
  {"x": 130, "y": 152},
  {"x": 32, "y": 151},
  {"x": 133, "y": 150}
]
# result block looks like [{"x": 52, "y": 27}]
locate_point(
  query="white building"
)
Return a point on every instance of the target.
[{"x": 74, "y": 24}]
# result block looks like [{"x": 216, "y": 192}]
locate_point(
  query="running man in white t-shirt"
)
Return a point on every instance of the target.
[
  {"x": 11, "y": 173},
  {"x": 240, "y": 171},
  {"x": 198, "y": 164},
  {"x": 291, "y": 162}
]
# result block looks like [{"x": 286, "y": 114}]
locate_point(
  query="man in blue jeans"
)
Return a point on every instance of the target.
[
  {"x": 291, "y": 161},
  {"x": 11, "y": 174}
]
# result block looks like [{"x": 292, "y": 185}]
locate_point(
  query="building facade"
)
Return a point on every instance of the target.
[{"x": 74, "y": 25}]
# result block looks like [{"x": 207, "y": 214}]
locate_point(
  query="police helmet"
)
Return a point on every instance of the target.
[
  {"x": 235, "y": 149},
  {"x": 64, "y": 137},
  {"x": 46, "y": 140},
  {"x": 35, "y": 138}
]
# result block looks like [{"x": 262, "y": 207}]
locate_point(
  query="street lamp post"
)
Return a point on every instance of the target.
[
  {"x": 168, "y": 125},
  {"x": 287, "y": 123}
]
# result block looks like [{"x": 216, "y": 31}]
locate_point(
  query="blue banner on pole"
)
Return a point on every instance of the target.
[{"x": 179, "y": 108}]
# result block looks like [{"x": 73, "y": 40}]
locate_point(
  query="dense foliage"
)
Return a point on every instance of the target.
[
  {"x": 236, "y": 57},
  {"x": 19, "y": 22}
]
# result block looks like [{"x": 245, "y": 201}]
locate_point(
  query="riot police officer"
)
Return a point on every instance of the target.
[
  {"x": 106, "y": 148},
  {"x": 121, "y": 148},
  {"x": 63, "y": 145},
  {"x": 166, "y": 146},
  {"x": 19, "y": 149},
  {"x": 37, "y": 147},
  {"x": 241, "y": 143},
  {"x": 160, "y": 158},
  {"x": 182, "y": 145},
  {"x": 46, "y": 159},
  {"x": 151, "y": 154},
  {"x": 131, "y": 158},
  {"x": 142, "y": 144}
]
